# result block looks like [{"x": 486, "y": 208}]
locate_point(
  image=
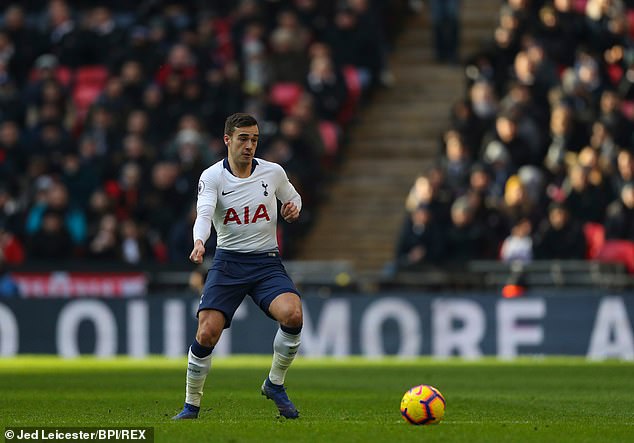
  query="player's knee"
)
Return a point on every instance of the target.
[
  {"x": 208, "y": 333},
  {"x": 207, "y": 337},
  {"x": 292, "y": 316}
]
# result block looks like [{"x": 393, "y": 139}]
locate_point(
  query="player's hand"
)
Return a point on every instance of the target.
[
  {"x": 290, "y": 212},
  {"x": 197, "y": 253}
]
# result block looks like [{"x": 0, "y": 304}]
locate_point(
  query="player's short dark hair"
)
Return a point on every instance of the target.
[{"x": 239, "y": 120}]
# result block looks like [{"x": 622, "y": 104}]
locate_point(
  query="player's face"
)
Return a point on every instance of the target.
[{"x": 242, "y": 144}]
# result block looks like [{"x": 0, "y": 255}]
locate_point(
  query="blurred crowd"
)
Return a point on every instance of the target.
[
  {"x": 109, "y": 112},
  {"x": 538, "y": 162}
]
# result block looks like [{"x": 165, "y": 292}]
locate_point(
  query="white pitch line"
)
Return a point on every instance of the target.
[{"x": 499, "y": 422}]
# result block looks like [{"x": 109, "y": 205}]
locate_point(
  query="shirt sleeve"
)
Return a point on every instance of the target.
[
  {"x": 205, "y": 207},
  {"x": 286, "y": 191}
]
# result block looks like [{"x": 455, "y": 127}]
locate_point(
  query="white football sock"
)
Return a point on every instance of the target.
[
  {"x": 197, "y": 370},
  {"x": 285, "y": 348}
]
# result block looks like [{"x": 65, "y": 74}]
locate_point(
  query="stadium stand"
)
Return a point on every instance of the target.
[
  {"x": 109, "y": 111},
  {"x": 546, "y": 119}
]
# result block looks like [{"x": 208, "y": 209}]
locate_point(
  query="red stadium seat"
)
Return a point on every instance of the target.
[
  {"x": 353, "y": 85},
  {"x": 353, "y": 82},
  {"x": 615, "y": 73},
  {"x": 64, "y": 75},
  {"x": 84, "y": 96},
  {"x": 620, "y": 251},
  {"x": 330, "y": 137},
  {"x": 595, "y": 238},
  {"x": 91, "y": 75},
  {"x": 286, "y": 94},
  {"x": 89, "y": 82},
  {"x": 627, "y": 107},
  {"x": 579, "y": 6}
]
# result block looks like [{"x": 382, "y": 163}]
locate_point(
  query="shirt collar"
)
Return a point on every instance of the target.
[{"x": 225, "y": 164}]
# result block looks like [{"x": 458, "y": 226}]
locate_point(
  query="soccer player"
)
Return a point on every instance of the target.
[{"x": 239, "y": 194}]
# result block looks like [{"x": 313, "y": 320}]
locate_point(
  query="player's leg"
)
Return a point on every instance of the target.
[
  {"x": 287, "y": 310},
  {"x": 276, "y": 295},
  {"x": 220, "y": 298},
  {"x": 210, "y": 326}
]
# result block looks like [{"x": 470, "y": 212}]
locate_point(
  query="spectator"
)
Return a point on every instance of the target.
[
  {"x": 11, "y": 105},
  {"x": 484, "y": 104},
  {"x": 153, "y": 105},
  {"x": 465, "y": 237},
  {"x": 456, "y": 162},
  {"x": 602, "y": 23},
  {"x": 45, "y": 70},
  {"x": 135, "y": 249},
  {"x": 100, "y": 127},
  {"x": 288, "y": 60},
  {"x": 50, "y": 240},
  {"x": 139, "y": 49},
  {"x": 480, "y": 182},
  {"x": 26, "y": 40},
  {"x": 560, "y": 29},
  {"x": 420, "y": 240},
  {"x": 57, "y": 204},
  {"x": 517, "y": 204},
  {"x": 180, "y": 241},
  {"x": 99, "y": 205},
  {"x": 585, "y": 201},
  {"x": 180, "y": 63},
  {"x": 163, "y": 200},
  {"x": 9, "y": 211},
  {"x": 50, "y": 93},
  {"x": 327, "y": 87},
  {"x": 498, "y": 161},
  {"x": 611, "y": 115},
  {"x": 103, "y": 245},
  {"x": 13, "y": 153},
  {"x": 619, "y": 223},
  {"x": 532, "y": 123},
  {"x": 64, "y": 40},
  {"x": 304, "y": 113},
  {"x": 105, "y": 35},
  {"x": 423, "y": 192},
  {"x": 369, "y": 15},
  {"x": 288, "y": 21},
  {"x": 565, "y": 134},
  {"x": 559, "y": 236},
  {"x": 518, "y": 247},
  {"x": 8, "y": 286},
  {"x": 445, "y": 18},
  {"x": 355, "y": 45},
  {"x": 602, "y": 141},
  {"x": 114, "y": 101},
  {"x": 624, "y": 171},
  {"x": 506, "y": 133},
  {"x": 79, "y": 178},
  {"x": 254, "y": 59}
]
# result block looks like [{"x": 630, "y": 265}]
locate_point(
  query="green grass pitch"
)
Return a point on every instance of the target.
[{"x": 349, "y": 400}]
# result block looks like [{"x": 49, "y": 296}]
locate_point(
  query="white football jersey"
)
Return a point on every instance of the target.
[{"x": 244, "y": 210}]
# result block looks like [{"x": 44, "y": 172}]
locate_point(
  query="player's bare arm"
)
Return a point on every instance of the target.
[
  {"x": 198, "y": 252},
  {"x": 290, "y": 212}
]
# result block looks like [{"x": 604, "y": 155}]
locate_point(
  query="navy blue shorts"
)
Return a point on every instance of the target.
[{"x": 235, "y": 275}]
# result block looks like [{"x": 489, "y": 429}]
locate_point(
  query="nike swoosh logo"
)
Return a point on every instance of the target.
[{"x": 227, "y": 193}]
